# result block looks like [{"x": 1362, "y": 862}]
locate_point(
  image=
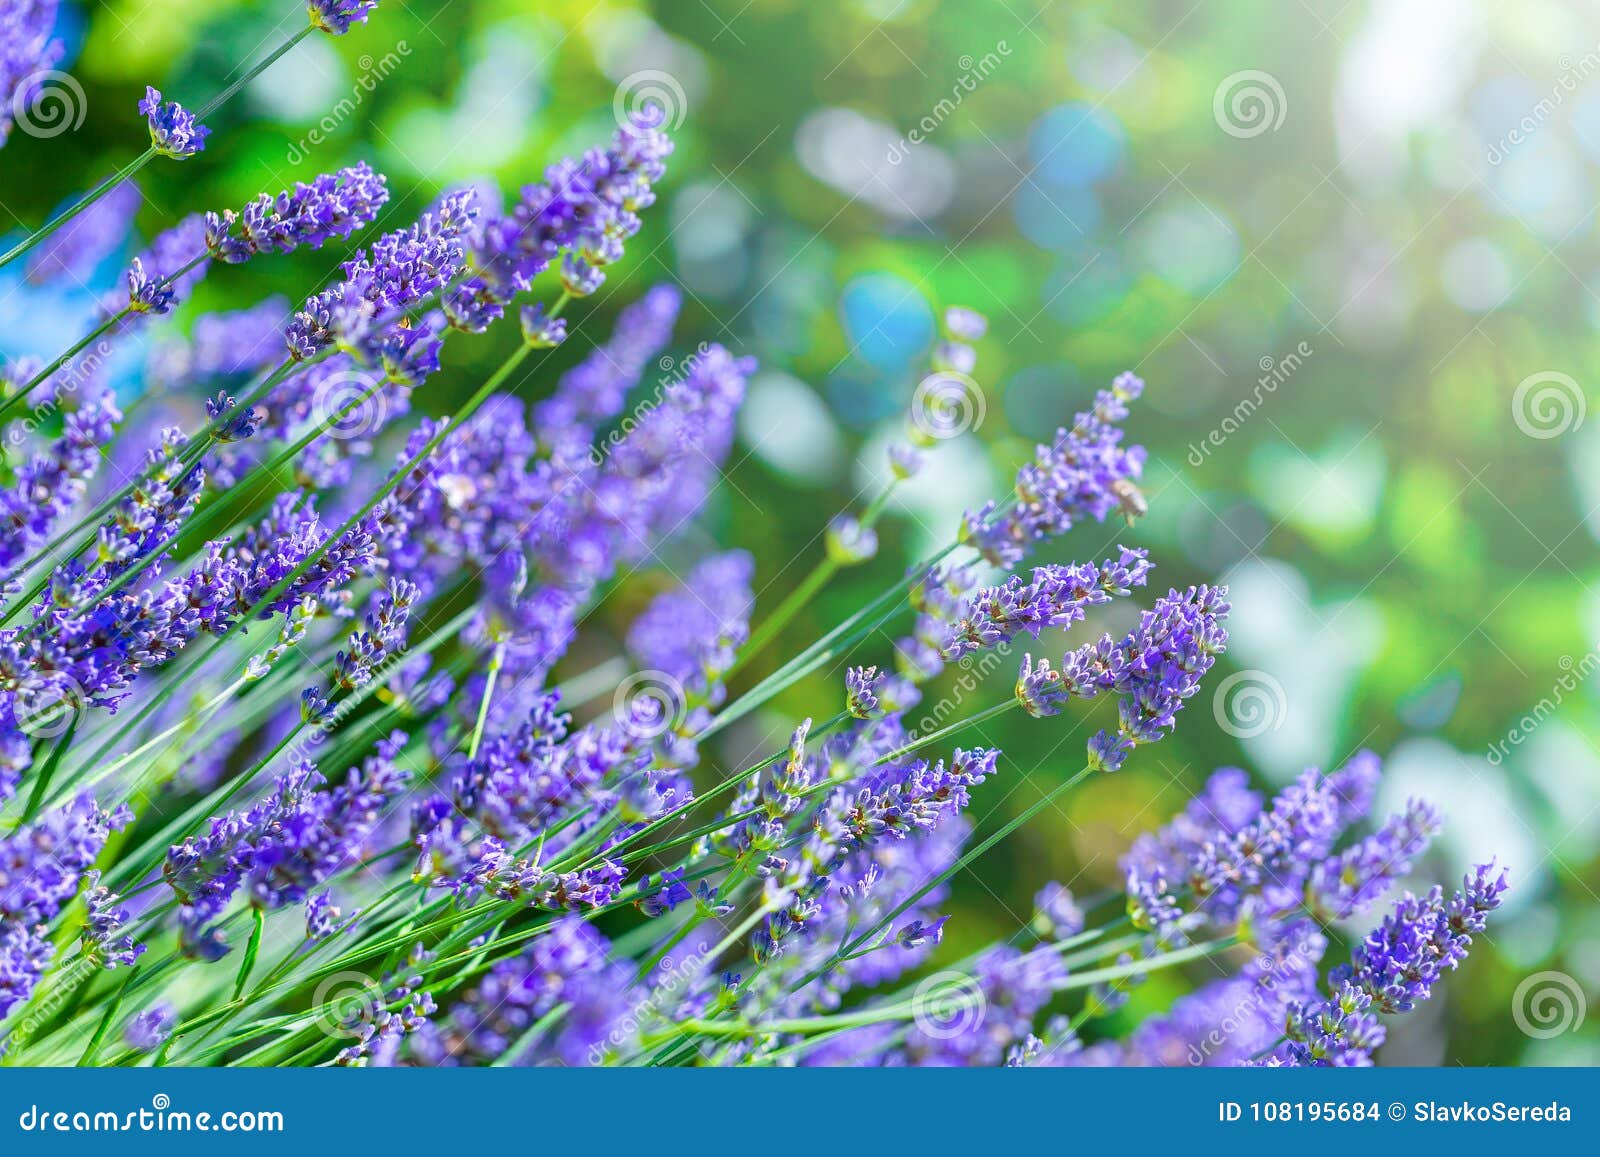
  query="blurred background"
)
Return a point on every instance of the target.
[{"x": 1351, "y": 247}]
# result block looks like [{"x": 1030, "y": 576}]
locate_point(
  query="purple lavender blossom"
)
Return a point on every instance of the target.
[
  {"x": 148, "y": 1029},
  {"x": 862, "y": 685},
  {"x": 173, "y": 129},
  {"x": 333, "y": 205},
  {"x": 1358, "y": 876},
  {"x": 584, "y": 208},
  {"x": 849, "y": 541},
  {"x": 893, "y": 802},
  {"x": 569, "y": 964},
  {"x": 595, "y": 390},
  {"x": 1056, "y": 912},
  {"x": 1153, "y": 669},
  {"x": 147, "y": 294},
  {"x": 977, "y": 1023},
  {"x": 177, "y": 258},
  {"x": 1228, "y": 863},
  {"x": 1054, "y": 596},
  {"x": 1074, "y": 478},
  {"x": 383, "y": 638},
  {"x": 282, "y": 847},
  {"x": 690, "y": 633},
  {"x": 41, "y": 864},
  {"x": 398, "y": 271},
  {"x": 223, "y": 345},
  {"x": 1391, "y": 971},
  {"x": 335, "y": 17},
  {"x": 103, "y": 937},
  {"x": 940, "y": 600},
  {"x": 53, "y": 481},
  {"x": 98, "y": 652}
]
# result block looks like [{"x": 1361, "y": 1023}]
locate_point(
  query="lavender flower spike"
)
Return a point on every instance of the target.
[
  {"x": 1055, "y": 597},
  {"x": 1390, "y": 971},
  {"x": 336, "y": 16},
  {"x": 173, "y": 129},
  {"x": 333, "y": 205},
  {"x": 1085, "y": 473},
  {"x": 1154, "y": 669}
]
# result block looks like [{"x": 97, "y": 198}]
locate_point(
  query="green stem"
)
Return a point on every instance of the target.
[
  {"x": 79, "y": 206},
  {"x": 251, "y": 949},
  {"x": 791, "y": 606},
  {"x": 93, "y": 1047},
  {"x": 1136, "y": 967},
  {"x": 496, "y": 660},
  {"x": 47, "y": 773},
  {"x": 265, "y": 63}
]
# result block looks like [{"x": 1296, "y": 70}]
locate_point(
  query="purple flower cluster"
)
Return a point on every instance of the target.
[
  {"x": 595, "y": 390},
  {"x": 1394, "y": 968},
  {"x": 73, "y": 251},
  {"x": 104, "y": 939},
  {"x": 41, "y": 866},
  {"x": 94, "y": 641},
  {"x": 1228, "y": 861},
  {"x": 523, "y": 783},
  {"x": 282, "y": 847},
  {"x": 1153, "y": 669},
  {"x": 335, "y": 17},
  {"x": 174, "y": 132},
  {"x": 222, "y": 345},
  {"x": 53, "y": 481},
  {"x": 689, "y": 636},
  {"x": 1054, "y": 596},
  {"x": 569, "y": 964},
  {"x": 1086, "y": 473},
  {"x": 333, "y": 205},
  {"x": 397, "y": 272},
  {"x": 891, "y": 803},
  {"x": 584, "y": 210},
  {"x": 689, "y": 633}
]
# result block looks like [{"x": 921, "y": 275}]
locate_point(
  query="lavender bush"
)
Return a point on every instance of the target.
[{"x": 287, "y": 779}]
